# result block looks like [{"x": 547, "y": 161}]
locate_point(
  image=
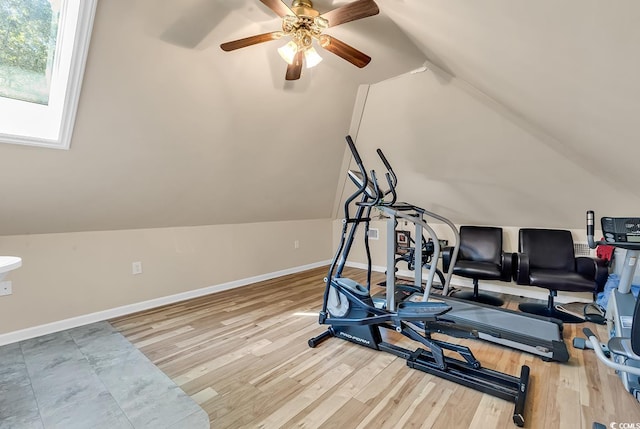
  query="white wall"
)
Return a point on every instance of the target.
[
  {"x": 565, "y": 70},
  {"x": 66, "y": 277},
  {"x": 459, "y": 153}
]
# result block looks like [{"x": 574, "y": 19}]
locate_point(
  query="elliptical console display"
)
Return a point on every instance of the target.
[{"x": 621, "y": 230}]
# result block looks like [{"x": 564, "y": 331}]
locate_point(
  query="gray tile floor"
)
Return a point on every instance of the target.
[{"x": 89, "y": 377}]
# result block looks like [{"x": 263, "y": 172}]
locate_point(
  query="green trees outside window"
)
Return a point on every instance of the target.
[{"x": 28, "y": 33}]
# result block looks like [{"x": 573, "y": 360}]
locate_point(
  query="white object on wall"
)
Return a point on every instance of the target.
[{"x": 8, "y": 263}]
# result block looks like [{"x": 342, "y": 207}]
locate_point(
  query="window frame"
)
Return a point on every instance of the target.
[{"x": 64, "y": 109}]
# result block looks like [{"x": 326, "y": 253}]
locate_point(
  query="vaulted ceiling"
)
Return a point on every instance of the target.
[
  {"x": 173, "y": 131},
  {"x": 564, "y": 74},
  {"x": 569, "y": 69}
]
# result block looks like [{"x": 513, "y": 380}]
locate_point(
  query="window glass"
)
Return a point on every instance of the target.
[
  {"x": 43, "y": 48},
  {"x": 28, "y": 31}
]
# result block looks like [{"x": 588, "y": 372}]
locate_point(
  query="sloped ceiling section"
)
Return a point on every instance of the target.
[
  {"x": 526, "y": 116},
  {"x": 172, "y": 131}
]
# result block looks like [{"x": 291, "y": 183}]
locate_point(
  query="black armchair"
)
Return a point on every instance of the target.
[
  {"x": 546, "y": 259},
  {"x": 480, "y": 257}
]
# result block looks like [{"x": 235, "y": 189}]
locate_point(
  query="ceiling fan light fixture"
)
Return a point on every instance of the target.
[
  {"x": 320, "y": 23},
  {"x": 311, "y": 57},
  {"x": 288, "y": 51},
  {"x": 290, "y": 23},
  {"x": 302, "y": 24},
  {"x": 324, "y": 40}
]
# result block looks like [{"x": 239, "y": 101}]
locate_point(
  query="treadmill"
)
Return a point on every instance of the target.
[{"x": 530, "y": 333}]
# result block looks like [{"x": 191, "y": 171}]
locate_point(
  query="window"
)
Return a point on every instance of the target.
[{"x": 43, "y": 48}]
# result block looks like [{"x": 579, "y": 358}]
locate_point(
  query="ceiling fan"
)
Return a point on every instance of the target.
[{"x": 303, "y": 24}]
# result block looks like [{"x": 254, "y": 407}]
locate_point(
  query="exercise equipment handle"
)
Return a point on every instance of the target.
[
  {"x": 394, "y": 178},
  {"x": 365, "y": 178},
  {"x": 354, "y": 152},
  {"x": 392, "y": 190},
  {"x": 610, "y": 362},
  {"x": 591, "y": 229},
  {"x": 376, "y": 191},
  {"x": 384, "y": 160}
]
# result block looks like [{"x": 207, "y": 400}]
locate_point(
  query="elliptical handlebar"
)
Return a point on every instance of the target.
[
  {"x": 392, "y": 179},
  {"x": 376, "y": 191},
  {"x": 392, "y": 190},
  {"x": 388, "y": 167},
  {"x": 355, "y": 153},
  {"x": 356, "y": 157},
  {"x": 390, "y": 175},
  {"x": 591, "y": 229}
]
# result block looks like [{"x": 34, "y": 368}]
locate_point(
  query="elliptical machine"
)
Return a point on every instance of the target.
[{"x": 350, "y": 312}]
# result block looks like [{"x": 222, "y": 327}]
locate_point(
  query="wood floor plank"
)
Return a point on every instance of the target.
[
  {"x": 307, "y": 396},
  {"x": 403, "y": 411},
  {"x": 490, "y": 413},
  {"x": 379, "y": 413},
  {"x": 242, "y": 354},
  {"x": 431, "y": 410},
  {"x": 348, "y": 415},
  {"x": 204, "y": 395},
  {"x": 220, "y": 361},
  {"x": 460, "y": 409},
  {"x": 343, "y": 393}
]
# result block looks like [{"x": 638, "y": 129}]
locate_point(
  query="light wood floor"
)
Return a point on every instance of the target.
[{"x": 243, "y": 356}]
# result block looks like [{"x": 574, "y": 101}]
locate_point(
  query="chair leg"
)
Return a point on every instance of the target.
[
  {"x": 550, "y": 304},
  {"x": 476, "y": 296},
  {"x": 549, "y": 310}
]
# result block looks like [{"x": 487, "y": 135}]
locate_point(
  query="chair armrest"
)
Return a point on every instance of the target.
[
  {"x": 521, "y": 269},
  {"x": 507, "y": 263},
  {"x": 446, "y": 253},
  {"x": 593, "y": 268}
]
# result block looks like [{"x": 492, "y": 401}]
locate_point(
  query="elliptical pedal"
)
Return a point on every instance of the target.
[{"x": 425, "y": 311}]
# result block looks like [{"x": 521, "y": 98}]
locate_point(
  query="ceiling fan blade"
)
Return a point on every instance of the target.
[
  {"x": 248, "y": 41},
  {"x": 349, "y": 53},
  {"x": 294, "y": 70},
  {"x": 278, "y": 7},
  {"x": 350, "y": 12}
]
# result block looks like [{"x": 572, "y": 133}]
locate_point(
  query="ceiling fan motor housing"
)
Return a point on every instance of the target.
[
  {"x": 305, "y": 25},
  {"x": 304, "y": 8}
]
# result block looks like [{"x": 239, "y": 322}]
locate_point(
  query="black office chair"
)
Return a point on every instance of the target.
[
  {"x": 546, "y": 259},
  {"x": 480, "y": 258}
]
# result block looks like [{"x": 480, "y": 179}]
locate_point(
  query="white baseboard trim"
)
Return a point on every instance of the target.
[
  {"x": 498, "y": 287},
  {"x": 61, "y": 325}
]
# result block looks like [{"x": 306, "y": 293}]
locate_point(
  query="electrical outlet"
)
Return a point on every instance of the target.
[
  {"x": 296, "y": 244},
  {"x": 5, "y": 288},
  {"x": 136, "y": 268}
]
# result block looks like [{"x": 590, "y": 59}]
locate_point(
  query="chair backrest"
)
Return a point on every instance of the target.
[
  {"x": 550, "y": 249},
  {"x": 481, "y": 244}
]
